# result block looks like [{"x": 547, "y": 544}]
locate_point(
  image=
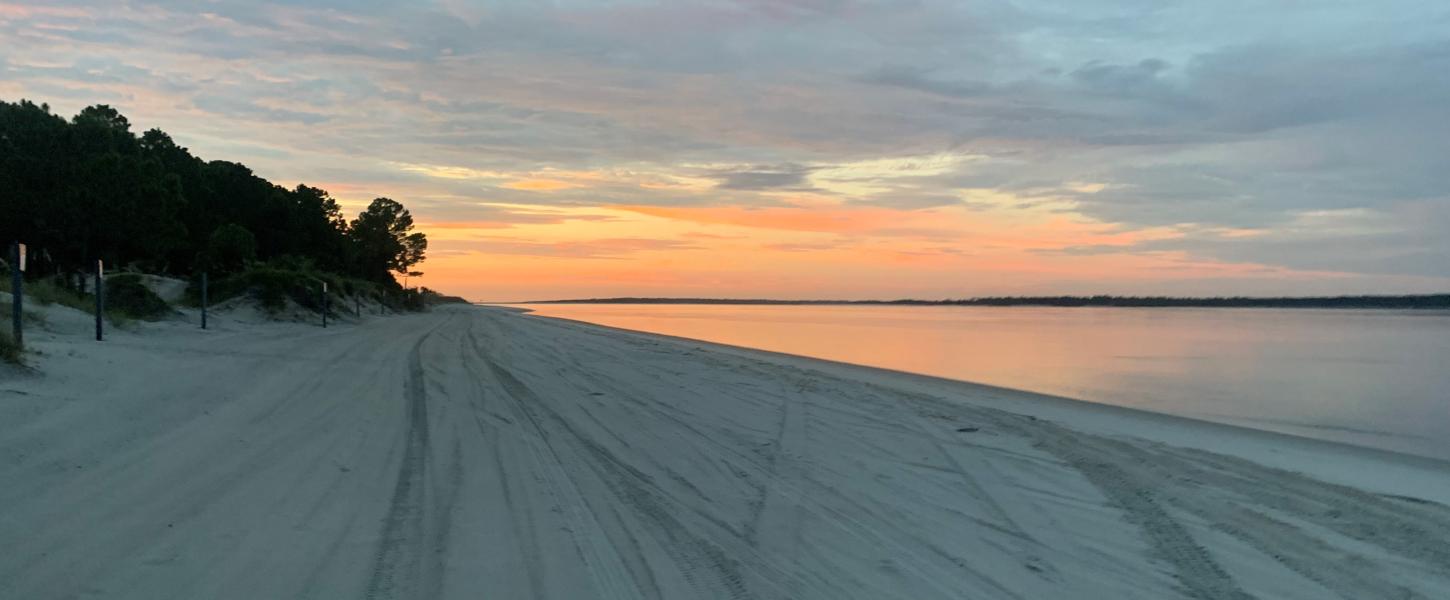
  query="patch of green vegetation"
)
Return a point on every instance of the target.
[
  {"x": 128, "y": 296},
  {"x": 124, "y": 303},
  {"x": 432, "y": 297},
  {"x": 49, "y": 291},
  {"x": 151, "y": 205},
  {"x": 273, "y": 283}
]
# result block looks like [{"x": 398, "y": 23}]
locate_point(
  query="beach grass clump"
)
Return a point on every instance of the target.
[
  {"x": 46, "y": 292},
  {"x": 272, "y": 284},
  {"x": 273, "y": 287},
  {"x": 129, "y": 297}
]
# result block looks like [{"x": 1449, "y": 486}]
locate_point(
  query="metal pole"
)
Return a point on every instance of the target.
[
  {"x": 324, "y": 305},
  {"x": 203, "y": 299},
  {"x": 16, "y": 294},
  {"x": 100, "y": 297}
]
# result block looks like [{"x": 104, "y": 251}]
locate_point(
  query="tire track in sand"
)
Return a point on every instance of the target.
[
  {"x": 843, "y": 511},
  {"x": 399, "y": 569},
  {"x": 1197, "y": 572},
  {"x": 611, "y": 578},
  {"x": 703, "y": 564}
]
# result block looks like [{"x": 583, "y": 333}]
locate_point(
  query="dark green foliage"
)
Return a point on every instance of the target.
[
  {"x": 273, "y": 287},
  {"x": 230, "y": 248},
  {"x": 414, "y": 300},
  {"x": 383, "y": 240},
  {"x": 127, "y": 296},
  {"x": 432, "y": 297},
  {"x": 273, "y": 283},
  {"x": 54, "y": 291},
  {"x": 91, "y": 189}
]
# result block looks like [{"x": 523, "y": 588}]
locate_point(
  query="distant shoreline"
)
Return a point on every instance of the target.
[{"x": 1414, "y": 302}]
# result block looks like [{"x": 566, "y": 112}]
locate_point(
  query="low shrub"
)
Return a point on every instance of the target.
[
  {"x": 128, "y": 296},
  {"x": 273, "y": 284},
  {"x": 433, "y": 297},
  {"x": 50, "y": 291}
]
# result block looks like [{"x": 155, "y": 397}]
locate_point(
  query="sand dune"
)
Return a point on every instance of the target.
[{"x": 478, "y": 452}]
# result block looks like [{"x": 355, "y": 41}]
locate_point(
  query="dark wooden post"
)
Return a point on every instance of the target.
[
  {"x": 100, "y": 297},
  {"x": 203, "y": 299},
  {"x": 17, "y": 293}
]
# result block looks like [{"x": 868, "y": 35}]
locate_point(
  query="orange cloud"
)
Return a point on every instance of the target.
[
  {"x": 980, "y": 230},
  {"x": 787, "y": 218},
  {"x": 464, "y": 225},
  {"x": 539, "y": 185}
]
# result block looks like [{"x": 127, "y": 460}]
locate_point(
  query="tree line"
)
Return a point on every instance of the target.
[{"x": 89, "y": 188}]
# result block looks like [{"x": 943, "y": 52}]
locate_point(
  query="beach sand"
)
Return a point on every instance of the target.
[{"x": 481, "y": 452}]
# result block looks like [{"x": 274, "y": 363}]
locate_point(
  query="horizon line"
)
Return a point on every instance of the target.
[{"x": 1435, "y": 300}]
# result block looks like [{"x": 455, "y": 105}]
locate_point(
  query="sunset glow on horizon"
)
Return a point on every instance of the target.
[{"x": 813, "y": 148}]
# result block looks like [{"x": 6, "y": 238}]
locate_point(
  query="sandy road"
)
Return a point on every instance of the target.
[{"x": 481, "y": 453}]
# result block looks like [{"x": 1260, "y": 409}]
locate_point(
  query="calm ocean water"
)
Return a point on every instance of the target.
[{"x": 1372, "y": 378}]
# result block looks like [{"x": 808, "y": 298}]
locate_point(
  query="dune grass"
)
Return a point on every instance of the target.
[
  {"x": 132, "y": 304},
  {"x": 46, "y": 292},
  {"x": 127, "y": 296},
  {"x": 273, "y": 284}
]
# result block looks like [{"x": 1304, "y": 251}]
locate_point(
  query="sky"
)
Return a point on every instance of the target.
[{"x": 813, "y": 148}]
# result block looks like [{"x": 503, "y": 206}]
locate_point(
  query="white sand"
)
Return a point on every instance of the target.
[{"x": 476, "y": 452}]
